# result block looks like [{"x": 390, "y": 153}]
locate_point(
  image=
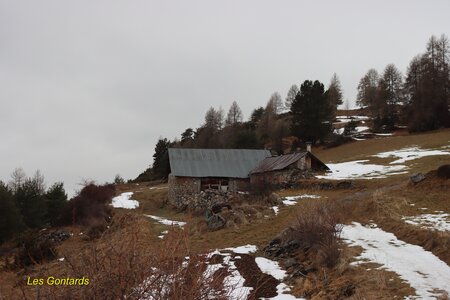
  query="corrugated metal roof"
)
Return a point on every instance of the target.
[
  {"x": 232, "y": 163},
  {"x": 278, "y": 162}
]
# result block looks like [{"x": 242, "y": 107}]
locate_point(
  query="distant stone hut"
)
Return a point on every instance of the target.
[
  {"x": 287, "y": 168},
  {"x": 196, "y": 170}
]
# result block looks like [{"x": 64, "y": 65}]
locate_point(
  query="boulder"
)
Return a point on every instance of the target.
[
  {"x": 215, "y": 222},
  {"x": 416, "y": 178}
]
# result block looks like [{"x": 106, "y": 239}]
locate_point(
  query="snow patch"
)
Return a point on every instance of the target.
[
  {"x": 440, "y": 222},
  {"x": 157, "y": 188},
  {"x": 361, "y": 128},
  {"x": 281, "y": 289},
  {"x": 166, "y": 221},
  {"x": 349, "y": 118},
  {"x": 292, "y": 200},
  {"x": 410, "y": 153},
  {"x": 276, "y": 209},
  {"x": 163, "y": 233},
  {"x": 359, "y": 170},
  {"x": 339, "y": 130},
  {"x": 243, "y": 249},
  {"x": 124, "y": 201},
  {"x": 270, "y": 267},
  {"x": 421, "y": 269},
  {"x": 273, "y": 269},
  {"x": 384, "y": 134},
  {"x": 234, "y": 282}
]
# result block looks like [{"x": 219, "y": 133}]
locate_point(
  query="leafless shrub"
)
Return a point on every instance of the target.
[
  {"x": 317, "y": 230},
  {"x": 123, "y": 264},
  {"x": 90, "y": 206},
  {"x": 34, "y": 248}
]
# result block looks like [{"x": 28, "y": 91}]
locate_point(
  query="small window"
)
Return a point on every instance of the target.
[{"x": 214, "y": 184}]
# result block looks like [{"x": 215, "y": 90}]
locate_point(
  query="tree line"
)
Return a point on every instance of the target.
[
  {"x": 306, "y": 114},
  {"x": 419, "y": 101},
  {"x": 26, "y": 203}
]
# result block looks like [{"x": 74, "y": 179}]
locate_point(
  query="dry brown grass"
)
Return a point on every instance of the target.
[
  {"x": 123, "y": 264},
  {"x": 363, "y": 149},
  {"x": 386, "y": 209}
]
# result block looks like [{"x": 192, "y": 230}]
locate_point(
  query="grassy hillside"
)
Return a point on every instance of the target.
[{"x": 384, "y": 201}]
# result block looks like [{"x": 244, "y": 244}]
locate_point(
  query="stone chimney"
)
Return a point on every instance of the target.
[{"x": 308, "y": 146}]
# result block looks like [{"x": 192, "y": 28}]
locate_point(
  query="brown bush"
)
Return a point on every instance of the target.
[
  {"x": 96, "y": 229},
  {"x": 125, "y": 264},
  {"x": 317, "y": 231},
  {"x": 91, "y": 205},
  {"x": 444, "y": 171},
  {"x": 34, "y": 248},
  {"x": 261, "y": 189}
]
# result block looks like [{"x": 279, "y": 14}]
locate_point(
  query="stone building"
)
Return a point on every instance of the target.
[
  {"x": 194, "y": 171},
  {"x": 287, "y": 168}
]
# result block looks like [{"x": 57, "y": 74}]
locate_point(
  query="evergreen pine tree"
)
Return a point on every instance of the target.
[
  {"x": 311, "y": 115},
  {"x": 11, "y": 221},
  {"x": 56, "y": 199},
  {"x": 161, "y": 166},
  {"x": 31, "y": 202}
]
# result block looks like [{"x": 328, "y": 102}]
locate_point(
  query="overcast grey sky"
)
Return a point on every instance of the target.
[{"x": 87, "y": 87}]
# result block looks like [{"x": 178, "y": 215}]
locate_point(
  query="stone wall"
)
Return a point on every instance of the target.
[
  {"x": 280, "y": 177},
  {"x": 185, "y": 193},
  {"x": 180, "y": 188}
]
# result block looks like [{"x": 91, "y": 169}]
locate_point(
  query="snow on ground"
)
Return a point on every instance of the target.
[
  {"x": 166, "y": 221},
  {"x": 124, "y": 201},
  {"x": 273, "y": 269},
  {"x": 270, "y": 267},
  {"x": 359, "y": 170},
  {"x": 275, "y": 209},
  {"x": 440, "y": 221},
  {"x": 163, "y": 233},
  {"x": 157, "y": 188},
  {"x": 234, "y": 282},
  {"x": 421, "y": 269},
  {"x": 291, "y": 200},
  {"x": 346, "y": 119},
  {"x": 361, "y": 128},
  {"x": 410, "y": 153},
  {"x": 243, "y": 249},
  {"x": 339, "y": 130},
  {"x": 384, "y": 134}
]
